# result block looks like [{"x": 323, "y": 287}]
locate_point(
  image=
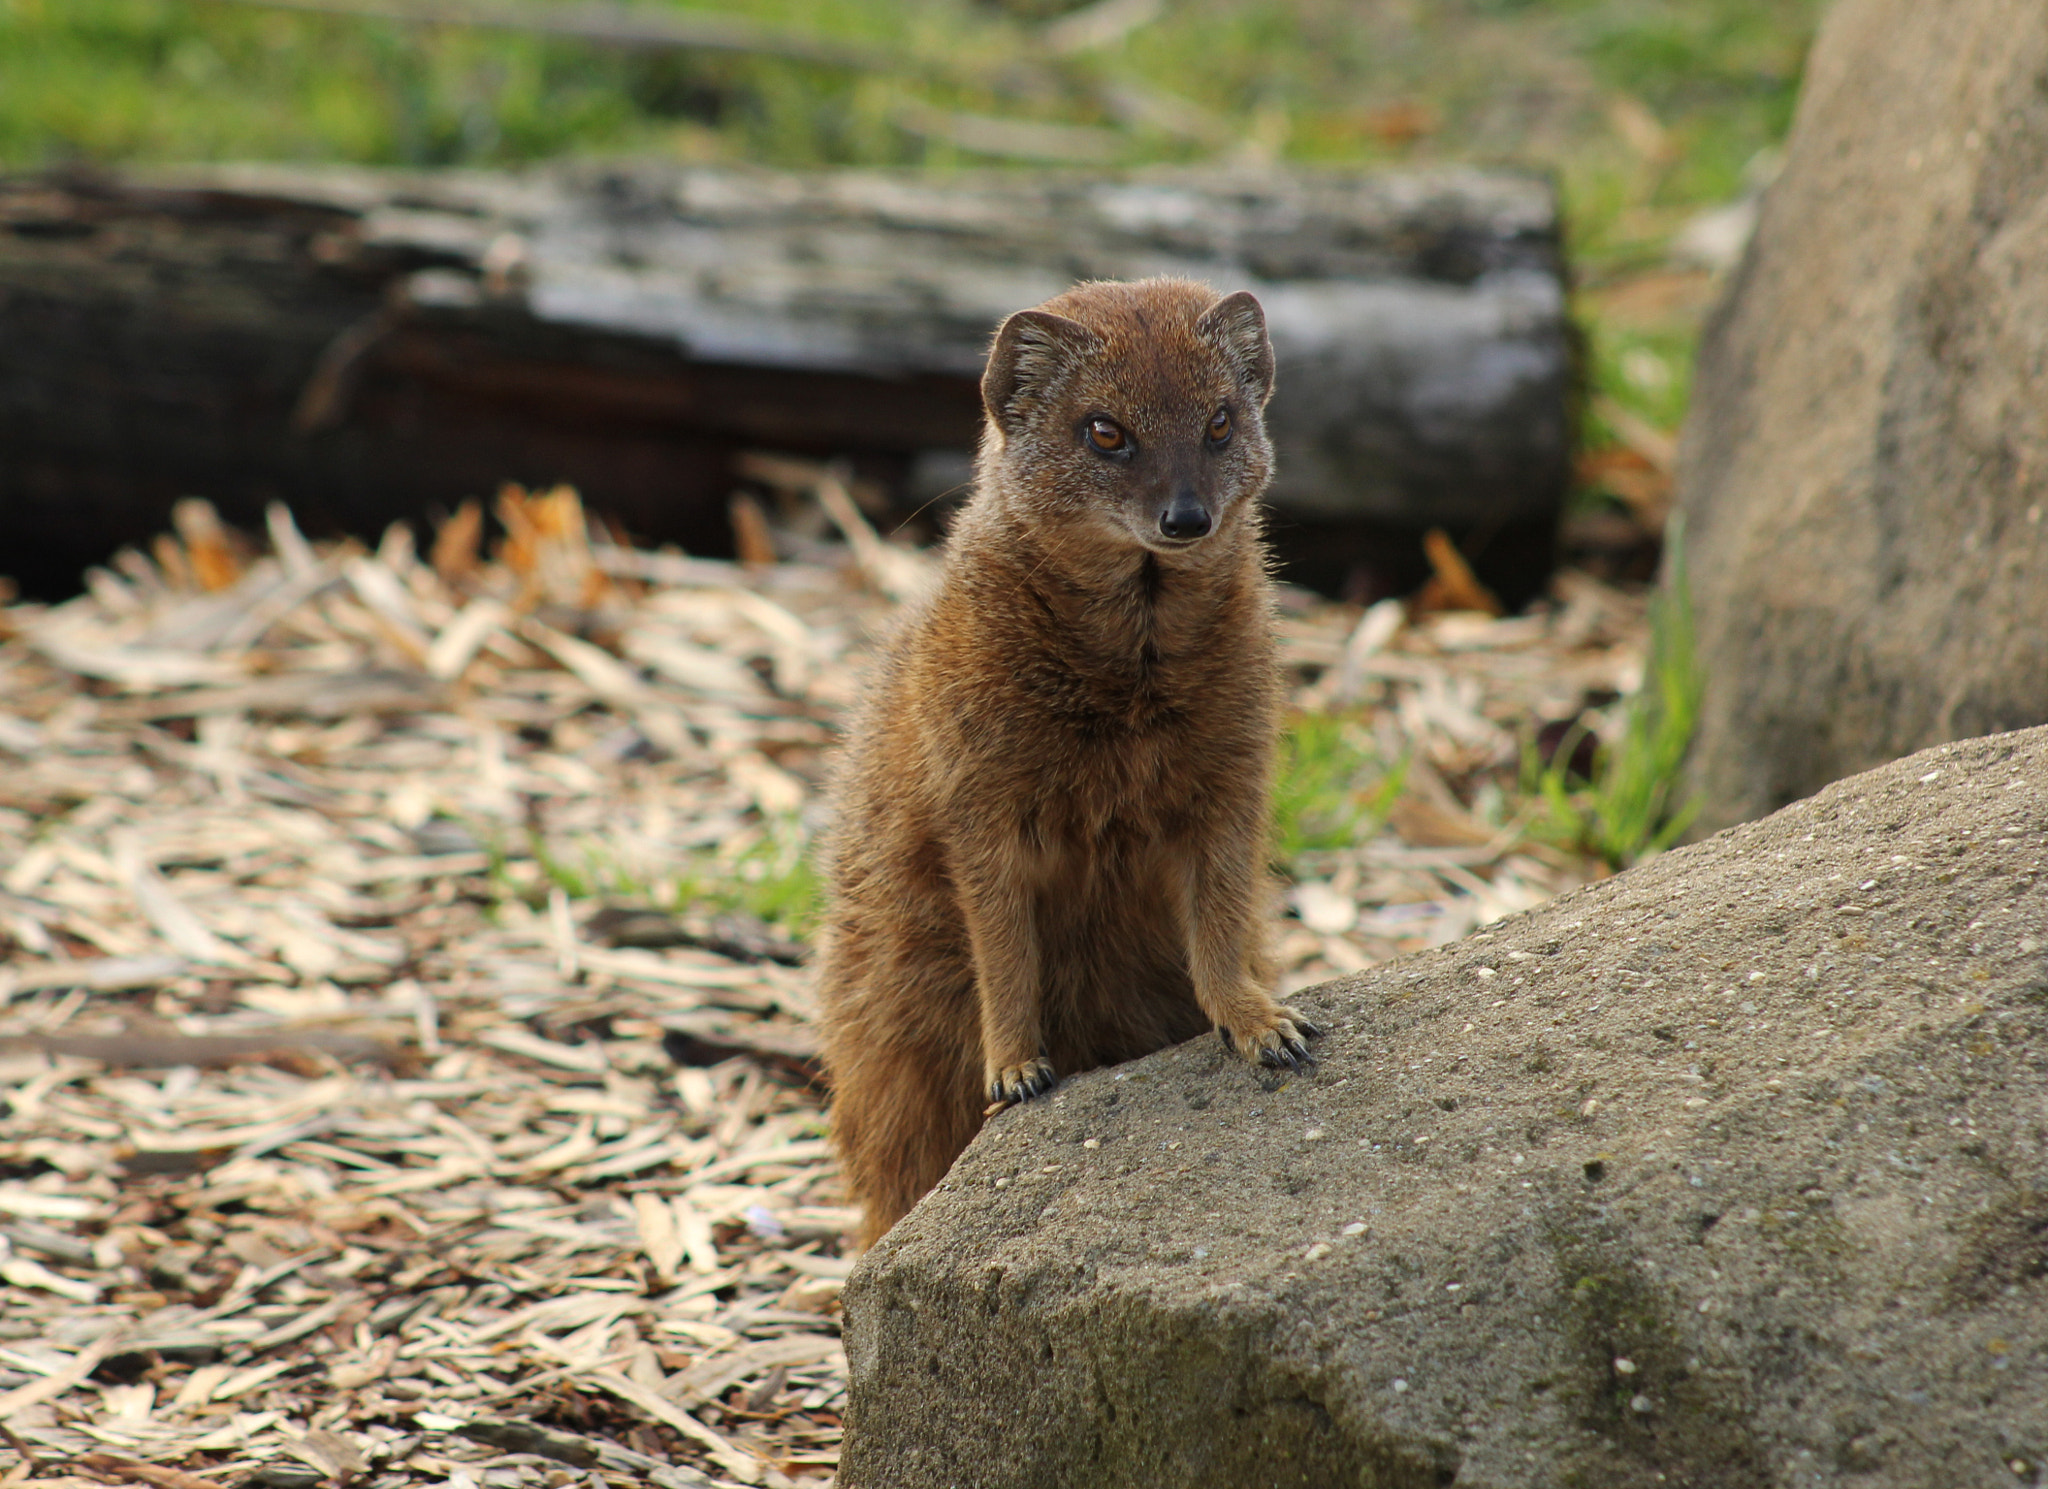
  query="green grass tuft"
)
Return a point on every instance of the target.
[
  {"x": 774, "y": 877},
  {"x": 1332, "y": 788},
  {"x": 1635, "y": 804},
  {"x": 765, "y": 871}
]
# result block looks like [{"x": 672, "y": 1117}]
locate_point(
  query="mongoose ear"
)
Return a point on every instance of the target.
[
  {"x": 1032, "y": 347},
  {"x": 1237, "y": 325}
]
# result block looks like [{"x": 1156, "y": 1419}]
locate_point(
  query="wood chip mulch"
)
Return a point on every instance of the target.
[{"x": 407, "y": 1053}]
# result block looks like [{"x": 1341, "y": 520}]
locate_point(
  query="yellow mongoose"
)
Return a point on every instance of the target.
[{"x": 1052, "y": 811}]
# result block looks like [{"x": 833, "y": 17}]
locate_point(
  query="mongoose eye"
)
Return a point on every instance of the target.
[
  {"x": 1219, "y": 426},
  {"x": 1107, "y": 435}
]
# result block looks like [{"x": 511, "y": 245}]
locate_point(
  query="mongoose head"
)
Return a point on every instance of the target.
[{"x": 1133, "y": 412}]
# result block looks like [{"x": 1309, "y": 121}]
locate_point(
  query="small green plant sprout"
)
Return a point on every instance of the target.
[
  {"x": 765, "y": 870},
  {"x": 1634, "y": 806},
  {"x": 591, "y": 869},
  {"x": 1332, "y": 788},
  {"x": 769, "y": 872}
]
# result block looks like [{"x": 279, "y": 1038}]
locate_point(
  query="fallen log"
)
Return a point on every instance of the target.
[{"x": 375, "y": 345}]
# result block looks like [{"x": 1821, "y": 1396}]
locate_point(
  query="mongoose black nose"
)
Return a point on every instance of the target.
[{"x": 1185, "y": 519}]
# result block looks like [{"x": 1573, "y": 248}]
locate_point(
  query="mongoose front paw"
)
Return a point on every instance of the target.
[
  {"x": 1277, "y": 1038},
  {"x": 1014, "y": 1083}
]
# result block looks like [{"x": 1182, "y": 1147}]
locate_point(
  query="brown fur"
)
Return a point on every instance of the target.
[{"x": 1053, "y": 809}]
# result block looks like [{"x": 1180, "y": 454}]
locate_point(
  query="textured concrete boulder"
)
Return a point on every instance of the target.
[
  {"x": 1865, "y": 473},
  {"x": 1729, "y": 1171}
]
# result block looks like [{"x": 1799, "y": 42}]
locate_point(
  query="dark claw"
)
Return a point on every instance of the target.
[
  {"x": 1228, "y": 1043},
  {"x": 1292, "y": 1054},
  {"x": 1308, "y": 1030},
  {"x": 1023, "y": 1088}
]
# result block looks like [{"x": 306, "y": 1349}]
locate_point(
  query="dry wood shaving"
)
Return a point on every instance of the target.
[{"x": 358, "y": 907}]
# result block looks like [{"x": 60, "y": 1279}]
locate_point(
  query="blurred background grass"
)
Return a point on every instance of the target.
[{"x": 1646, "y": 111}]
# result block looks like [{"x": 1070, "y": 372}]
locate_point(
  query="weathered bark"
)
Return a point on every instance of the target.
[{"x": 372, "y": 345}]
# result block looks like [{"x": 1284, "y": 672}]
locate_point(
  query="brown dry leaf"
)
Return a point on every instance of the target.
[
  {"x": 547, "y": 545},
  {"x": 1402, "y": 122},
  {"x": 1427, "y": 825},
  {"x": 1657, "y": 449},
  {"x": 330, "y": 1452},
  {"x": 519, "y": 549},
  {"x": 142, "y": 1046},
  {"x": 174, "y": 562},
  {"x": 1640, "y": 129},
  {"x": 458, "y": 545},
  {"x": 1452, "y": 584},
  {"x": 115, "y": 1467},
  {"x": 208, "y": 549},
  {"x": 751, "y": 537}
]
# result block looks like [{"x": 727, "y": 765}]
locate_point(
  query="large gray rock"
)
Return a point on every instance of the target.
[
  {"x": 1729, "y": 1171},
  {"x": 1866, "y": 467}
]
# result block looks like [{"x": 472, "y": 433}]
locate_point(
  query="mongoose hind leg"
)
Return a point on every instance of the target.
[{"x": 900, "y": 1116}]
